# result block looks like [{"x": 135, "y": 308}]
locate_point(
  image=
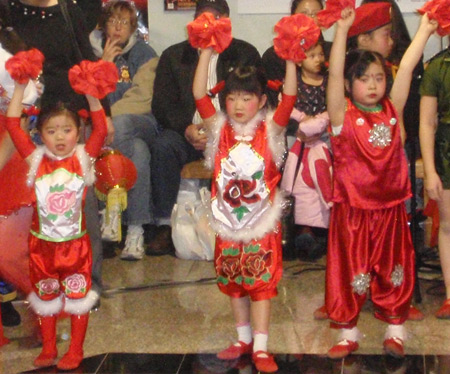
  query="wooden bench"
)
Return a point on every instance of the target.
[{"x": 195, "y": 170}]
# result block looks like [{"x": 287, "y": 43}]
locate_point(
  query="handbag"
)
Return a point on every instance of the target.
[{"x": 288, "y": 219}]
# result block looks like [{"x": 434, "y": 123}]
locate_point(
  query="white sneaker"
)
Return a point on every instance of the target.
[
  {"x": 134, "y": 244},
  {"x": 110, "y": 230}
]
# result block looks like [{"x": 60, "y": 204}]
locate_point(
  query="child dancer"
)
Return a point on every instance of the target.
[
  {"x": 369, "y": 243},
  {"x": 434, "y": 144},
  {"x": 245, "y": 151},
  {"x": 60, "y": 171}
]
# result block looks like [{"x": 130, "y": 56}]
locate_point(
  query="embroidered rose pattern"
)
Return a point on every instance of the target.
[
  {"x": 228, "y": 266},
  {"x": 60, "y": 202},
  {"x": 48, "y": 286},
  {"x": 75, "y": 283},
  {"x": 256, "y": 264},
  {"x": 239, "y": 191}
]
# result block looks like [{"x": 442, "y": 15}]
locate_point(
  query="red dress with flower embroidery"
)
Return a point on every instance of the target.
[
  {"x": 60, "y": 252},
  {"x": 370, "y": 245},
  {"x": 246, "y": 204}
]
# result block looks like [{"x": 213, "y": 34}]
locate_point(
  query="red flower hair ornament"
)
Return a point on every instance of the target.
[
  {"x": 438, "y": 10},
  {"x": 296, "y": 34},
  {"x": 332, "y": 12},
  {"x": 96, "y": 78},
  {"x": 25, "y": 65},
  {"x": 207, "y": 31}
]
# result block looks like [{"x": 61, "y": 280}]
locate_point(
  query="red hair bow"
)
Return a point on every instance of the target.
[
  {"x": 438, "y": 10},
  {"x": 25, "y": 65},
  {"x": 207, "y": 31},
  {"x": 332, "y": 12},
  {"x": 97, "y": 79},
  {"x": 296, "y": 34},
  {"x": 83, "y": 114},
  {"x": 31, "y": 111},
  {"x": 274, "y": 85}
]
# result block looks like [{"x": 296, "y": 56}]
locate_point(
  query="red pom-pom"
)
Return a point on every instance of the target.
[
  {"x": 332, "y": 12},
  {"x": 96, "y": 78},
  {"x": 113, "y": 169},
  {"x": 207, "y": 31},
  {"x": 25, "y": 65},
  {"x": 438, "y": 10},
  {"x": 274, "y": 85},
  {"x": 296, "y": 34}
]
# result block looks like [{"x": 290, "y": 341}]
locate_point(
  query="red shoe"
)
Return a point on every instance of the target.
[
  {"x": 235, "y": 351},
  {"x": 415, "y": 314},
  {"x": 444, "y": 310},
  {"x": 321, "y": 314},
  {"x": 342, "y": 349},
  {"x": 394, "y": 347},
  {"x": 264, "y": 362}
]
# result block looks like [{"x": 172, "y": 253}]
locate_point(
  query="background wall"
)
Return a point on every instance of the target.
[{"x": 169, "y": 27}]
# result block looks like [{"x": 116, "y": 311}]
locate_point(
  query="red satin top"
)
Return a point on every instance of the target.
[{"x": 370, "y": 167}]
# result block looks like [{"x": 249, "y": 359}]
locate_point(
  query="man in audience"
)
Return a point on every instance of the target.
[{"x": 182, "y": 139}]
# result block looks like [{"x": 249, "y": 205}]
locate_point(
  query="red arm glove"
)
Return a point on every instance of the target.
[
  {"x": 95, "y": 142},
  {"x": 20, "y": 138},
  {"x": 283, "y": 112},
  {"x": 205, "y": 107}
]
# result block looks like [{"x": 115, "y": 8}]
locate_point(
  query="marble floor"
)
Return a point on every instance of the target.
[{"x": 166, "y": 315}]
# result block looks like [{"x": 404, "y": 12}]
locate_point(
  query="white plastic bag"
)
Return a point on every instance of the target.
[{"x": 192, "y": 234}]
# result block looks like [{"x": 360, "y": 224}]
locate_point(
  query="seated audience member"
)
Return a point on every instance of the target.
[
  {"x": 135, "y": 127},
  {"x": 182, "y": 139}
]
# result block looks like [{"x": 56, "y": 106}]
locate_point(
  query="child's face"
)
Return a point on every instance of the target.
[
  {"x": 379, "y": 40},
  {"x": 60, "y": 134},
  {"x": 118, "y": 27},
  {"x": 314, "y": 60},
  {"x": 242, "y": 106},
  {"x": 370, "y": 88}
]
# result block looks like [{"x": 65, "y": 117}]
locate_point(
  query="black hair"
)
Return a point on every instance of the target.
[
  {"x": 356, "y": 63},
  {"x": 250, "y": 79},
  {"x": 295, "y": 3},
  {"x": 59, "y": 108}
]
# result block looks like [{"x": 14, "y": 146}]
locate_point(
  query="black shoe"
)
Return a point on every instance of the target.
[
  {"x": 10, "y": 316},
  {"x": 162, "y": 243}
]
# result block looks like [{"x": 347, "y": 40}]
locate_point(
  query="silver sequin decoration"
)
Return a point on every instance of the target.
[
  {"x": 360, "y": 121},
  {"x": 361, "y": 283},
  {"x": 380, "y": 135},
  {"x": 393, "y": 121},
  {"x": 397, "y": 276},
  {"x": 302, "y": 42}
]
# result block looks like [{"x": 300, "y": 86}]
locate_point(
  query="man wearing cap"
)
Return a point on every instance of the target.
[{"x": 182, "y": 139}]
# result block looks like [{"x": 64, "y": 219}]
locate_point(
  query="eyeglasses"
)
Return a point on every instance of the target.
[
  {"x": 310, "y": 14},
  {"x": 116, "y": 21}
]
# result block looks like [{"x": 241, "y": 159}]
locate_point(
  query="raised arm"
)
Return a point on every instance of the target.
[
  {"x": 199, "y": 88},
  {"x": 400, "y": 89},
  {"x": 99, "y": 131},
  {"x": 336, "y": 83}
]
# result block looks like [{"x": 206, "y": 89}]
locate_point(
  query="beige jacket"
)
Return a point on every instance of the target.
[{"x": 138, "y": 99}]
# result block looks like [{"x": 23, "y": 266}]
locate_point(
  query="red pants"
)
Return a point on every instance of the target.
[
  {"x": 369, "y": 250},
  {"x": 253, "y": 268},
  {"x": 60, "y": 267}
]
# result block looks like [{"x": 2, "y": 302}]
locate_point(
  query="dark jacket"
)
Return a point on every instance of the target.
[{"x": 173, "y": 103}]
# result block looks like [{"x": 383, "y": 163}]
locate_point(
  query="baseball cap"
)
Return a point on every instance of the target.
[
  {"x": 220, "y": 5},
  {"x": 369, "y": 17}
]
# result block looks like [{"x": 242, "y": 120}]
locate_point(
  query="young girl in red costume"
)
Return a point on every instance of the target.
[
  {"x": 59, "y": 172},
  {"x": 370, "y": 246},
  {"x": 245, "y": 150}
]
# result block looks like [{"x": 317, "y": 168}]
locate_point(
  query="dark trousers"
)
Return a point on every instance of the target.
[{"x": 170, "y": 152}]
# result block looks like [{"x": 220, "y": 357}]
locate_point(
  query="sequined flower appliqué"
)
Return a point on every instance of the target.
[
  {"x": 380, "y": 135},
  {"x": 397, "y": 276},
  {"x": 361, "y": 283}
]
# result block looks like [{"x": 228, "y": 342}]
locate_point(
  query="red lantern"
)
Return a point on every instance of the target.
[{"x": 114, "y": 170}]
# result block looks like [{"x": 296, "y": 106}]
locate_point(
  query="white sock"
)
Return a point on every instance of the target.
[
  {"x": 260, "y": 341},
  {"x": 244, "y": 333},
  {"x": 396, "y": 331},
  {"x": 352, "y": 334}
]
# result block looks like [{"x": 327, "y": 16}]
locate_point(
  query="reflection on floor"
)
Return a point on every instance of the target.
[{"x": 165, "y": 315}]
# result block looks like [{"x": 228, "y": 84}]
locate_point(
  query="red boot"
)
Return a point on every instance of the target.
[
  {"x": 72, "y": 359},
  {"x": 3, "y": 340},
  {"x": 49, "y": 352}
]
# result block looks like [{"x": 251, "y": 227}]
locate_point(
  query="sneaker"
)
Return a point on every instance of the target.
[
  {"x": 134, "y": 244},
  {"x": 110, "y": 229}
]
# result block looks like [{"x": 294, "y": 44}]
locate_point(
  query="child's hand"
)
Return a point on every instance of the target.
[
  {"x": 429, "y": 25},
  {"x": 347, "y": 18},
  {"x": 20, "y": 86}
]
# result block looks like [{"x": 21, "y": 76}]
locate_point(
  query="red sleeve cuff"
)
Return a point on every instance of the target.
[
  {"x": 283, "y": 112},
  {"x": 98, "y": 135},
  {"x": 205, "y": 107}
]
